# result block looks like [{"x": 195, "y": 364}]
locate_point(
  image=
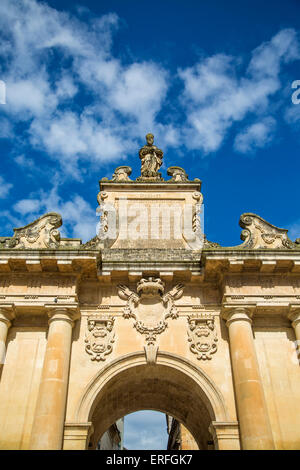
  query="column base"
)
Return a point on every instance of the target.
[
  {"x": 225, "y": 435},
  {"x": 76, "y": 436}
]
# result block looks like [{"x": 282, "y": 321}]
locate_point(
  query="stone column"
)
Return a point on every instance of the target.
[
  {"x": 294, "y": 316},
  {"x": 252, "y": 411},
  {"x": 48, "y": 424},
  {"x": 6, "y": 316}
]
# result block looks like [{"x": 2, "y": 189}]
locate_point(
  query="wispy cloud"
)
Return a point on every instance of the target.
[
  {"x": 5, "y": 188},
  {"x": 79, "y": 218},
  {"x": 217, "y": 94},
  {"x": 257, "y": 135},
  {"x": 51, "y": 58}
]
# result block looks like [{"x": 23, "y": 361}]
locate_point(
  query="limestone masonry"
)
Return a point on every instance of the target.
[{"x": 149, "y": 314}]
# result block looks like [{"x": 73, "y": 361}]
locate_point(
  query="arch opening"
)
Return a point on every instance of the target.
[{"x": 159, "y": 388}]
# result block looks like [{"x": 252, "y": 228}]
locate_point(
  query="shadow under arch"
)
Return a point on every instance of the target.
[{"x": 173, "y": 386}]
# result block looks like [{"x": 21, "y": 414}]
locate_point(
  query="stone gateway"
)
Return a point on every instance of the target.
[{"x": 149, "y": 314}]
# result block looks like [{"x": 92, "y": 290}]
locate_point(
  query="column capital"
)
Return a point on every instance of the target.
[
  {"x": 7, "y": 312},
  {"x": 294, "y": 314},
  {"x": 66, "y": 312},
  {"x": 234, "y": 312}
]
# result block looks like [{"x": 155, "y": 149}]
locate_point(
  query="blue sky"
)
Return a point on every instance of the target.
[
  {"x": 145, "y": 430},
  {"x": 212, "y": 80}
]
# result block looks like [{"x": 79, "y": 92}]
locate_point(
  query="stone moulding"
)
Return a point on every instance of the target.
[
  {"x": 99, "y": 336},
  {"x": 202, "y": 335},
  {"x": 42, "y": 233}
]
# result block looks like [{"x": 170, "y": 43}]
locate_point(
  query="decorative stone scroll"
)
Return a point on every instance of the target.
[
  {"x": 42, "y": 233},
  {"x": 100, "y": 337},
  {"x": 178, "y": 174},
  {"x": 122, "y": 174},
  {"x": 202, "y": 335},
  {"x": 150, "y": 307},
  {"x": 258, "y": 233}
]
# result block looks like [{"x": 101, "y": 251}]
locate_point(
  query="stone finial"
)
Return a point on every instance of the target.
[
  {"x": 178, "y": 174},
  {"x": 122, "y": 174}
]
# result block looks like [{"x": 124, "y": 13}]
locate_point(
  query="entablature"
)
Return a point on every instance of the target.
[
  {"x": 219, "y": 262},
  {"x": 37, "y": 261}
]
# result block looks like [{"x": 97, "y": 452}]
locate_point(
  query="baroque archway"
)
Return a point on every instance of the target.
[{"x": 129, "y": 384}]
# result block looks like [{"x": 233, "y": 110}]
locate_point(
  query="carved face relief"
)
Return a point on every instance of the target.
[
  {"x": 99, "y": 338},
  {"x": 202, "y": 335}
]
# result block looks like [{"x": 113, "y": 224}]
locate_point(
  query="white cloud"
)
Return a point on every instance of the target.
[
  {"x": 5, "y": 187},
  {"x": 215, "y": 98},
  {"x": 292, "y": 114},
  {"x": 50, "y": 59},
  {"x": 28, "y": 206},
  {"x": 24, "y": 161},
  {"x": 257, "y": 135},
  {"x": 6, "y": 129},
  {"x": 266, "y": 59},
  {"x": 145, "y": 430},
  {"x": 52, "y": 56}
]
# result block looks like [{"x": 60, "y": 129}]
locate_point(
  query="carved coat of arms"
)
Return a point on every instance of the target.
[
  {"x": 99, "y": 337},
  {"x": 202, "y": 335},
  {"x": 150, "y": 306}
]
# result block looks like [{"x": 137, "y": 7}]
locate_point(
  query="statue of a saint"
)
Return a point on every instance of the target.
[{"x": 151, "y": 158}]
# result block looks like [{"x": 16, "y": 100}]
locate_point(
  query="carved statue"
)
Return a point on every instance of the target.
[{"x": 151, "y": 158}]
